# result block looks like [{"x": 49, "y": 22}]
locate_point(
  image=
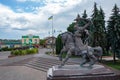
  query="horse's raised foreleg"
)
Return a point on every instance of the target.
[{"x": 61, "y": 53}]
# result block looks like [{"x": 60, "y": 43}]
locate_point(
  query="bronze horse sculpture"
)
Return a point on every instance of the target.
[{"x": 89, "y": 54}]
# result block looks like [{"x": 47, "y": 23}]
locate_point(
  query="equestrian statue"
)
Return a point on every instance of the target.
[{"x": 73, "y": 44}]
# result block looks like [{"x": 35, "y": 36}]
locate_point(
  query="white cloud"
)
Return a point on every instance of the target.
[
  {"x": 59, "y": 6},
  {"x": 54, "y": 6},
  {"x": 36, "y": 22},
  {"x": 21, "y": 0}
]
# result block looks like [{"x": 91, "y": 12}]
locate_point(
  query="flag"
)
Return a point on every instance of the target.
[{"x": 51, "y": 17}]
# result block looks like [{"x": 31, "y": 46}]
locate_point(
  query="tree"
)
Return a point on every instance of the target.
[
  {"x": 97, "y": 30},
  {"x": 42, "y": 42},
  {"x": 71, "y": 27},
  {"x": 94, "y": 27},
  {"x": 102, "y": 31},
  {"x": 84, "y": 14},
  {"x": 102, "y": 15},
  {"x": 59, "y": 44},
  {"x": 113, "y": 31}
]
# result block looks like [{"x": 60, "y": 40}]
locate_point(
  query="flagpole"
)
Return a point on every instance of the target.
[
  {"x": 52, "y": 26},
  {"x": 52, "y": 36},
  {"x": 52, "y": 45}
]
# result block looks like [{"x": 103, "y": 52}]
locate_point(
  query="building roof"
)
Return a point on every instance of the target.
[
  {"x": 33, "y": 36},
  {"x": 8, "y": 42},
  {"x": 24, "y": 36},
  {"x": 50, "y": 38}
]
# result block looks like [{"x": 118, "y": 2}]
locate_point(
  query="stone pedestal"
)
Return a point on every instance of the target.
[{"x": 75, "y": 72}]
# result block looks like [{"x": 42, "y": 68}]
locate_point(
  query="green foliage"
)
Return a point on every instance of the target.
[
  {"x": 6, "y": 49},
  {"x": 84, "y": 14},
  {"x": 24, "y": 52},
  {"x": 71, "y": 27},
  {"x": 59, "y": 44},
  {"x": 42, "y": 42},
  {"x": 113, "y": 31},
  {"x": 98, "y": 31},
  {"x": 113, "y": 65},
  {"x": 32, "y": 51},
  {"x": 16, "y": 52}
]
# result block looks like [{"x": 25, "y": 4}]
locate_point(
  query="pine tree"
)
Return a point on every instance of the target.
[
  {"x": 114, "y": 31},
  {"x": 98, "y": 31},
  {"x": 84, "y": 14},
  {"x": 95, "y": 28},
  {"x": 102, "y": 30},
  {"x": 71, "y": 27},
  {"x": 102, "y": 15}
]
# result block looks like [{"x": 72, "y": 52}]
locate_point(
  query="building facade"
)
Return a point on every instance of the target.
[
  {"x": 30, "y": 40},
  {"x": 10, "y": 43},
  {"x": 49, "y": 42}
]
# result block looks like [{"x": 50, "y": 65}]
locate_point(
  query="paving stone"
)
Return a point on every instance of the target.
[{"x": 21, "y": 73}]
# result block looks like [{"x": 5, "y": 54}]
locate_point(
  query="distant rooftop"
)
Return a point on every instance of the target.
[
  {"x": 30, "y": 36},
  {"x": 10, "y": 41}
]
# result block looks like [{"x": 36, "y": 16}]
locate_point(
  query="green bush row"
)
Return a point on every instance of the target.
[
  {"x": 24, "y": 52},
  {"x": 6, "y": 49}
]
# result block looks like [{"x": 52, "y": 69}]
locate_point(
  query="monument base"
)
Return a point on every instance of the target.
[{"x": 75, "y": 72}]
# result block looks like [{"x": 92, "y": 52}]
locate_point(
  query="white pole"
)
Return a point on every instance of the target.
[{"x": 52, "y": 36}]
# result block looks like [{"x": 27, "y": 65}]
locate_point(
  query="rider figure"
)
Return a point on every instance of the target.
[
  {"x": 82, "y": 48},
  {"x": 78, "y": 34}
]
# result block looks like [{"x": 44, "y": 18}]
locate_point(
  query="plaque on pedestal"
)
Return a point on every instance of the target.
[{"x": 75, "y": 72}]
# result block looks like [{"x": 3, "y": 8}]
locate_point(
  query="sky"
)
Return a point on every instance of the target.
[{"x": 23, "y": 17}]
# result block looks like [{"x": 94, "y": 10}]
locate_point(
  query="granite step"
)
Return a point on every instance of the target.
[
  {"x": 44, "y": 64},
  {"x": 37, "y": 68}
]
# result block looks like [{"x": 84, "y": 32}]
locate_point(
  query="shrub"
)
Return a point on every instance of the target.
[
  {"x": 15, "y": 53},
  {"x": 24, "y": 52},
  {"x": 59, "y": 44}
]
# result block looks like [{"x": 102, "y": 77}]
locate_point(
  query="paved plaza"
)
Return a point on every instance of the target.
[
  {"x": 14, "y": 69},
  {"x": 4, "y": 55},
  {"x": 21, "y": 73},
  {"x": 30, "y": 67}
]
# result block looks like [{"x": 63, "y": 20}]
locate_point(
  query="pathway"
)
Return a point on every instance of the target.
[
  {"x": 4, "y": 55},
  {"x": 20, "y": 73},
  {"x": 30, "y": 67},
  {"x": 14, "y": 69}
]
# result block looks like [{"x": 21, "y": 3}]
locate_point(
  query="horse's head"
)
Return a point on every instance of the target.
[{"x": 64, "y": 36}]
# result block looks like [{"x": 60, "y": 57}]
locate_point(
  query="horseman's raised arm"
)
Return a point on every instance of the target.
[{"x": 86, "y": 25}]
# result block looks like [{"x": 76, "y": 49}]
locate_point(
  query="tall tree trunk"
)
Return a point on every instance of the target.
[{"x": 114, "y": 57}]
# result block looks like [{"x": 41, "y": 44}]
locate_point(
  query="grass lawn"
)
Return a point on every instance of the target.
[{"x": 113, "y": 65}]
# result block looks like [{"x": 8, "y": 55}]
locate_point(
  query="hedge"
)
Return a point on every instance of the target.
[{"x": 24, "y": 52}]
